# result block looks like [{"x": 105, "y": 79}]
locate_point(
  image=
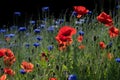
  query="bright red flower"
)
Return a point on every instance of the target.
[
  {"x": 9, "y": 71},
  {"x": 80, "y": 10},
  {"x": 3, "y": 77},
  {"x": 102, "y": 45},
  {"x": 8, "y": 61},
  {"x": 27, "y": 66},
  {"x": 53, "y": 79},
  {"x": 64, "y": 36},
  {"x": 2, "y": 52},
  {"x": 105, "y": 19},
  {"x": 81, "y": 46},
  {"x": 113, "y": 32},
  {"x": 80, "y": 38}
]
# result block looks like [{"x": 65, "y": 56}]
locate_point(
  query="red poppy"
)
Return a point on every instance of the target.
[
  {"x": 80, "y": 10},
  {"x": 27, "y": 66},
  {"x": 109, "y": 56},
  {"x": 2, "y": 52},
  {"x": 113, "y": 32},
  {"x": 102, "y": 45},
  {"x": 9, "y": 71},
  {"x": 53, "y": 79},
  {"x": 64, "y": 36},
  {"x": 80, "y": 38},
  {"x": 81, "y": 46},
  {"x": 105, "y": 19},
  {"x": 3, "y": 77},
  {"x": 8, "y": 61}
]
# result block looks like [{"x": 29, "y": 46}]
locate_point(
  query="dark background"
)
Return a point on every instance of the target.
[{"x": 30, "y": 8}]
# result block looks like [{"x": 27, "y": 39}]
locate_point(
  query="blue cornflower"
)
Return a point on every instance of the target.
[
  {"x": 110, "y": 44},
  {"x": 61, "y": 20},
  {"x": 32, "y": 22},
  {"x": 74, "y": 13},
  {"x": 90, "y": 12},
  {"x": 36, "y": 44},
  {"x": 50, "y": 47},
  {"x": 117, "y": 59},
  {"x": 27, "y": 45},
  {"x": 22, "y": 29},
  {"x": 17, "y": 13},
  {"x": 37, "y": 30},
  {"x": 42, "y": 26},
  {"x": 72, "y": 77},
  {"x": 2, "y": 30},
  {"x": 44, "y": 9},
  {"x": 81, "y": 33},
  {"x": 10, "y": 35},
  {"x": 22, "y": 71},
  {"x": 39, "y": 38},
  {"x": 51, "y": 28}
]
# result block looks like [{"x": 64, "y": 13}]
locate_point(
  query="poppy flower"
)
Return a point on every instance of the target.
[
  {"x": 9, "y": 71},
  {"x": 53, "y": 79},
  {"x": 113, "y": 32},
  {"x": 27, "y": 66},
  {"x": 81, "y": 47},
  {"x": 110, "y": 56},
  {"x": 105, "y": 19},
  {"x": 8, "y": 61},
  {"x": 65, "y": 33},
  {"x": 3, "y": 77},
  {"x": 2, "y": 52},
  {"x": 80, "y": 38},
  {"x": 102, "y": 45},
  {"x": 80, "y": 10}
]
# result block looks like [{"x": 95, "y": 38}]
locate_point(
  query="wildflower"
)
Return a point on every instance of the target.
[
  {"x": 74, "y": 13},
  {"x": 8, "y": 61},
  {"x": 81, "y": 46},
  {"x": 80, "y": 10},
  {"x": 105, "y": 19},
  {"x": 17, "y": 13},
  {"x": 45, "y": 9},
  {"x": 90, "y": 12},
  {"x": 64, "y": 36},
  {"x": 118, "y": 7},
  {"x": 72, "y": 77},
  {"x": 2, "y": 30},
  {"x": 9, "y": 71},
  {"x": 2, "y": 52},
  {"x": 3, "y": 77},
  {"x": 102, "y": 45},
  {"x": 22, "y": 29},
  {"x": 22, "y": 71},
  {"x": 53, "y": 78},
  {"x": 42, "y": 26},
  {"x": 27, "y": 66},
  {"x": 113, "y": 32},
  {"x": 37, "y": 30},
  {"x": 32, "y": 22},
  {"x": 51, "y": 29},
  {"x": 109, "y": 56},
  {"x": 109, "y": 45},
  {"x": 27, "y": 45},
  {"x": 81, "y": 33},
  {"x": 50, "y": 47},
  {"x": 117, "y": 59},
  {"x": 80, "y": 38},
  {"x": 39, "y": 38},
  {"x": 36, "y": 44},
  {"x": 10, "y": 35},
  {"x": 44, "y": 57}
]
